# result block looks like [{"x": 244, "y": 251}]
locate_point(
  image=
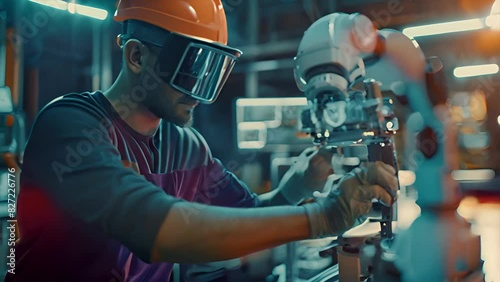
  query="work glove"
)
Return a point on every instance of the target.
[
  {"x": 351, "y": 198},
  {"x": 308, "y": 174}
]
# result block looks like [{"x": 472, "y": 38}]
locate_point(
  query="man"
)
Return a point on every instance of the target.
[{"x": 110, "y": 179}]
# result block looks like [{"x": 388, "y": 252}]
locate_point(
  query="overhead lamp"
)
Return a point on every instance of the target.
[
  {"x": 89, "y": 11},
  {"x": 442, "y": 28},
  {"x": 491, "y": 21},
  {"x": 473, "y": 175},
  {"x": 74, "y": 8},
  {"x": 58, "y": 4},
  {"x": 477, "y": 70}
]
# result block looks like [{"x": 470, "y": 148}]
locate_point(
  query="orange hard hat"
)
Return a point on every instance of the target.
[{"x": 201, "y": 19}]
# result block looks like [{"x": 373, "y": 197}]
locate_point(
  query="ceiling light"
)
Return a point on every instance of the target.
[
  {"x": 74, "y": 8},
  {"x": 468, "y": 71},
  {"x": 473, "y": 174},
  {"x": 58, "y": 4},
  {"x": 91, "y": 12},
  {"x": 441, "y": 28}
]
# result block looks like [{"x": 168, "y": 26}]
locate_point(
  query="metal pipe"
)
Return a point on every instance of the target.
[
  {"x": 252, "y": 85},
  {"x": 96, "y": 55},
  {"x": 101, "y": 71},
  {"x": 252, "y": 78},
  {"x": 106, "y": 56}
]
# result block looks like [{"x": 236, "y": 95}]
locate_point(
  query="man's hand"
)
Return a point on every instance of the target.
[
  {"x": 309, "y": 173},
  {"x": 337, "y": 212}
]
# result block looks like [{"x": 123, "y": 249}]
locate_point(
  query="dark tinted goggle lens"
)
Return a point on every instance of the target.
[{"x": 202, "y": 72}]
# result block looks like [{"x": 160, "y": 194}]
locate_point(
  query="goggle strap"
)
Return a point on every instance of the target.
[{"x": 144, "y": 32}]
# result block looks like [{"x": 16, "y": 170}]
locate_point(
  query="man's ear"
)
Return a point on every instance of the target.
[{"x": 133, "y": 51}]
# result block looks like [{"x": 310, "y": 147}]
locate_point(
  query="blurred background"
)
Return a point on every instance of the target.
[
  {"x": 61, "y": 51},
  {"x": 52, "y": 47}
]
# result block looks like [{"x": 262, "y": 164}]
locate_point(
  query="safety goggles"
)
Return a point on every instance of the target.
[
  {"x": 194, "y": 67},
  {"x": 202, "y": 71}
]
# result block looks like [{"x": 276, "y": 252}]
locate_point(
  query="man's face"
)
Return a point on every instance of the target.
[
  {"x": 164, "y": 101},
  {"x": 171, "y": 105}
]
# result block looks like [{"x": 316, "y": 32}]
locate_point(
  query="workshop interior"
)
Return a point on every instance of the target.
[{"x": 414, "y": 84}]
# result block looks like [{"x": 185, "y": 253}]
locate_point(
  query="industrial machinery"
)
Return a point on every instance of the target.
[{"x": 341, "y": 65}]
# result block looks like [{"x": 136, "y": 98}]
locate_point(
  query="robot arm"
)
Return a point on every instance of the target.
[
  {"x": 330, "y": 51},
  {"x": 333, "y": 48},
  {"x": 328, "y": 64},
  {"x": 341, "y": 64},
  {"x": 330, "y": 70}
]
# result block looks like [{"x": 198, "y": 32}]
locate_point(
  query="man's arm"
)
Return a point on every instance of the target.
[
  {"x": 194, "y": 233},
  {"x": 213, "y": 233}
]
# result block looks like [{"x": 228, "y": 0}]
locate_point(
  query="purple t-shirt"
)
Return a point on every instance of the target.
[{"x": 94, "y": 192}]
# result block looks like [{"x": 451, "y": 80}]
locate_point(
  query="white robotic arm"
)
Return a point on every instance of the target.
[
  {"x": 333, "y": 48},
  {"x": 330, "y": 68},
  {"x": 329, "y": 53},
  {"x": 341, "y": 63}
]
